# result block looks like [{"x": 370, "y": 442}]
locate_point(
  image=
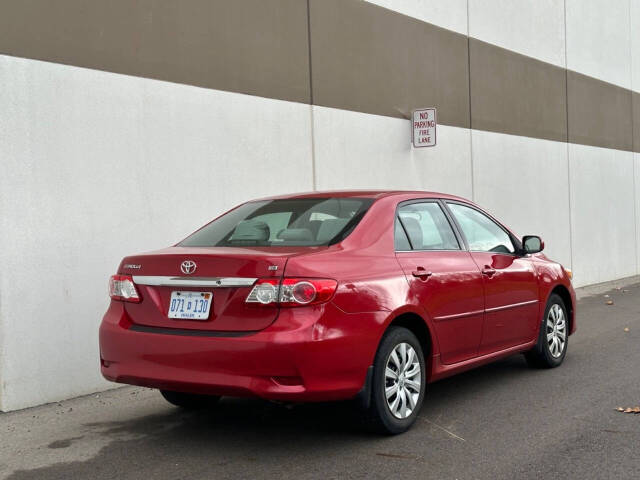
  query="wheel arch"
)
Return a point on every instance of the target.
[
  {"x": 565, "y": 295},
  {"x": 417, "y": 325}
]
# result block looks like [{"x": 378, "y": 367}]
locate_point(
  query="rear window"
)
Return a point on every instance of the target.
[{"x": 284, "y": 222}]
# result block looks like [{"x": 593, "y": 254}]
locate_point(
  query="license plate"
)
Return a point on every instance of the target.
[{"x": 190, "y": 305}]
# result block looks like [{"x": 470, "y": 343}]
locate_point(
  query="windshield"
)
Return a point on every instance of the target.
[{"x": 284, "y": 222}]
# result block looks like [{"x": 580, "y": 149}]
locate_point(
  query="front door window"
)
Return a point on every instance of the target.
[{"x": 482, "y": 233}]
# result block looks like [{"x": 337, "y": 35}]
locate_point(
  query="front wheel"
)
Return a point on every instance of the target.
[
  {"x": 553, "y": 338},
  {"x": 189, "y": 401},
  {"x": 398, "y": 383}
]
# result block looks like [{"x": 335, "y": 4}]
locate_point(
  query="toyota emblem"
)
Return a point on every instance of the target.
[{"x": 188, "y": 267}]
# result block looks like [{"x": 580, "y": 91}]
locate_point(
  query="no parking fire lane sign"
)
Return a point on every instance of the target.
[{"x": 424, "y": 127}]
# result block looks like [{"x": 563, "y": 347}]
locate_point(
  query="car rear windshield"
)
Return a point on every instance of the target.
[{"x": 284, "y": 222}]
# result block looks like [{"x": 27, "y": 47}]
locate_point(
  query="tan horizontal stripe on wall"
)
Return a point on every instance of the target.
[
  {"x": 515, "y": 94},
  {"x": 249, "y": 46},
  {"x": 370, "y": 59},
  {"x": 600, "y": 114},
  {"x": 362, "y": 57}
]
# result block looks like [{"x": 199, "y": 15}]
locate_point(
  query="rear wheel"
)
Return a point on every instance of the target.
[
  {"x": 189, "y": 401},
  {"x": 398, "y": 383},
  {"x": 553, "y": 338}
]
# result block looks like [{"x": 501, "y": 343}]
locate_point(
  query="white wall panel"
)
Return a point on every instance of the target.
[
  {"x": 449, "y": 14},
  {"x": 598, "y": 39},
  {"x": 634, "y": 27},
  {"x": 358, "y": 150},
  {"x": 96, "y": 166},
  {"x": 602, "y": 214},
  {"x": 524, "y": 182},
  {"x": 531, "y": 28}
]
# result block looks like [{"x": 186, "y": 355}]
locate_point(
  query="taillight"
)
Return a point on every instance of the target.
[
  {"x": 292, "y": 292},
  {"x": 265, "y": 292},
  {"x": 121, "y": 287}
]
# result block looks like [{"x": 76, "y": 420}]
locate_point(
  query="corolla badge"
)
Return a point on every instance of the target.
[{"x": 188, "y": 267}]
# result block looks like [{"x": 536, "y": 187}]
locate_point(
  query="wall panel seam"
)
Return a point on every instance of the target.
[
  {"x": 633, "y": 146},
  {"x": 473, "y": 180},
  {"x": 566, "y": 84},
  {"x": 314, "y": 184}
]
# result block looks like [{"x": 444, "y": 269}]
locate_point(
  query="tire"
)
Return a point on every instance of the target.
[
  {"x": 545, "y": 354},
  {"x": 379, "y": 416},
  {"x": 189, "y": 401}
]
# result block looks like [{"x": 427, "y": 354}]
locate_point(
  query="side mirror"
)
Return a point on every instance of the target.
[{"x": 532, "y": 244}]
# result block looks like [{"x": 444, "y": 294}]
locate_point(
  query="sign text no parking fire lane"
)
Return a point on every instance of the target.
[{"x": 423, "y": 127}]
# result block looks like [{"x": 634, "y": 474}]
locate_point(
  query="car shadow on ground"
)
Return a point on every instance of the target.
[{"x": 248, "y": 430}]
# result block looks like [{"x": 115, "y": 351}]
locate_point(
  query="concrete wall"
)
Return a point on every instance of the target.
[
  {"x": 93, "y": 163},
  {"x": 98, "y": 165},
  {"x": 357, "y": 150}
]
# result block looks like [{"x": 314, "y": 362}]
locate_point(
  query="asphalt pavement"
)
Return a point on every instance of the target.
[{"x": 502, "y": 421}]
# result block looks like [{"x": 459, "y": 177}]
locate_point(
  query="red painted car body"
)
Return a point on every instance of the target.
[{"x": 463, "y": 317}]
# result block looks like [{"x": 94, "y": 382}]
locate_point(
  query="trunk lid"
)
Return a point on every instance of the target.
[{"x": 227, "y": 273}]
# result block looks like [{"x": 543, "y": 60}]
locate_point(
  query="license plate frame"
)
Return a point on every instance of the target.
[{"x": 189, "y": 305}]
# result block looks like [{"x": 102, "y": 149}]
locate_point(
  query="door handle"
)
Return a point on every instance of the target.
[
  {"x": 488, "y": 271},
  {"x": 421, "y": 273}
]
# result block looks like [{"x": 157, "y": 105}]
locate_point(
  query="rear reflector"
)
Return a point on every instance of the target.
[
  {"x": 121, "y": 287},
  {"x": 293, "y": 292}
]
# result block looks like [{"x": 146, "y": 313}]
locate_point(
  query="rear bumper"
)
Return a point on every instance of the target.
[{"x": 308, "y": 354}]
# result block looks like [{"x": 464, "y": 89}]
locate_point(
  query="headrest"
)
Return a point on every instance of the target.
[
  {"x": 296, "y": 234},
  {"x": 251, "y": 230}
]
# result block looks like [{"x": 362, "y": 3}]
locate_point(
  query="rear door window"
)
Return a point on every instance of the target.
[
  {"x": 401, "y": 239},
  {"x": 427, "y": 227}
]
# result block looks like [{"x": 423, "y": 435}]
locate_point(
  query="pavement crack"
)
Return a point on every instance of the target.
[{"x": 448, "y": 432}]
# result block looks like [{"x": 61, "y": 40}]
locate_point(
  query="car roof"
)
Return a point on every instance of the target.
[{"x": 366, "y": 194}]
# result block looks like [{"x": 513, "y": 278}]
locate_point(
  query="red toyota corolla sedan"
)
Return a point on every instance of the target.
[{"x": 335, "y": 295}]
